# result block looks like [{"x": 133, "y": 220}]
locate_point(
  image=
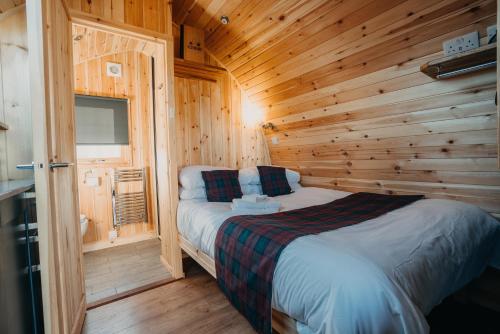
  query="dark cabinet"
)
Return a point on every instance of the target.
[{"x": 20, "y": 286}]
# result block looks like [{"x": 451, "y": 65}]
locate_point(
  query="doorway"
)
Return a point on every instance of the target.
[{"x": 116, "y": 163}]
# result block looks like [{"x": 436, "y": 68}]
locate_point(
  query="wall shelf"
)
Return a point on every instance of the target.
[
  {"x": 3, "y": 126},
  {"x": 471, "y": 61}
]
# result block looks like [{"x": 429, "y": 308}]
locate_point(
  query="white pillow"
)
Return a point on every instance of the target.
[
  {"x": 248, "y": 189},
  {"x": 249, "y": 175},
  {"x": 190, "y": 176},
  {"x": 292, "y": 176},
  {"x": 200, "y": 193}
]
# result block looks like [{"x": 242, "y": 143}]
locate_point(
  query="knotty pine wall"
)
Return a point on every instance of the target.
[
  {"x": 216, "y": 123},
  {"x": 212, "y": 128},
  {"x": 147, "y": 14},
  {"x": 341, "y": 81},
  {"x": 16, "y": 143},
  {"x": 135, "y": 84}
]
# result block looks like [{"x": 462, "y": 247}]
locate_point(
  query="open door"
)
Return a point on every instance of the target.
[{"x": 52, "y": 105}]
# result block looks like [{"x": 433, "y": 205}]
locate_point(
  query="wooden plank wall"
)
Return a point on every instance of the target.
[
  {"x": 151, "y": 15},
  {"x": 15, "y": 143},
  {"x": 135, "y": 84},
  {"x": 6, "y": 5},
  {"x": 341, "y": 81},
  {"x": 210, "y": 134},
  {"x": 215, "y": 124},
  {"x": 212, "y": 127}
]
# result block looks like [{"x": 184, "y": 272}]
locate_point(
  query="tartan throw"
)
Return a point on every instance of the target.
[
  {"x": 274, "y": 181},
  {"x": 247, "y": 247},
  {"x": 221, "y": 185}
]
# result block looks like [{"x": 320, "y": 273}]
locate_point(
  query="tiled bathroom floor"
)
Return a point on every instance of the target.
[{"x": 119, "y": 269}]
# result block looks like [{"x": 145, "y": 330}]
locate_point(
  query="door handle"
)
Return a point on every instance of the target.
[
  {"x": 53, "y": 165},
  {"x": 30, "y": 166}
]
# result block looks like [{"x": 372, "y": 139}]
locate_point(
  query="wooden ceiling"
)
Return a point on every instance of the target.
[
  {"x": 5, "y": 5},
  {"x": 341, "y": 81},
  {"x": 275, "y": 46},
  {"x": 90, "y": 43}
]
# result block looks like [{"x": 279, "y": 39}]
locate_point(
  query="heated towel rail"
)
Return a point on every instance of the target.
[{"x": 129, "y": 197}]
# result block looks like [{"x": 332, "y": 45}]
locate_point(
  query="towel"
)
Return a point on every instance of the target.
[
  {"x": 245, "y": 212},
  {"x": 242, "y": 204},
  {"x": 254, "y": 198}
]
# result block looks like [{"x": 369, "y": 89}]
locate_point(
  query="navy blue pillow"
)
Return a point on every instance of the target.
[
  {"x": 273, "y": 180},
  {"x": 221, "y": 185}
]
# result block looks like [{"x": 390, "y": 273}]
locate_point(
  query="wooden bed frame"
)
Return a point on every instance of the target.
[{"x": 282, "y": 323}]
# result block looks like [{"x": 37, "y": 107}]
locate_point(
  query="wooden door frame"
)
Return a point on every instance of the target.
[
  {"x": 54, "y": 293},
  {"x": 166, "y": 166},
  {"x": 165, "y": 141}
]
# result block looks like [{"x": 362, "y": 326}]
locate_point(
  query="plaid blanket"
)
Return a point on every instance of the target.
[{"x": 247, "y": 248}]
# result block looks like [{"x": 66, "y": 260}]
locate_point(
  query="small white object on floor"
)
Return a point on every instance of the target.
[
  {"x": 113, "y": 234},
  {"x": 254, "y": 198}
]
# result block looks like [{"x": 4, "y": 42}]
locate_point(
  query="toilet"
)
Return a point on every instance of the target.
[{"x": 84, "y": 224}]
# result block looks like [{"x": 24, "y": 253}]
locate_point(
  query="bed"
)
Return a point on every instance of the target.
[{"x": 381, "y": 276}]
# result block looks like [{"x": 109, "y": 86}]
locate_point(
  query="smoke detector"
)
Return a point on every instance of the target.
[{"x": 224, "y": 19}]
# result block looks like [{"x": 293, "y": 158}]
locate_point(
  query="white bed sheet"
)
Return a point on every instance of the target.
[{"x": 380, "y": 276}]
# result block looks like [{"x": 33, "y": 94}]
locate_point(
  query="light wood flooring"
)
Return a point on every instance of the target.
[
  {"x": 111, "y": 271},
  {"x": 191, "y": 305},
  {"x": 196, "y": 305}
]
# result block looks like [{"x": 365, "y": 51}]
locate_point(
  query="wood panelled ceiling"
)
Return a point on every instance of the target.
[
  {"x": 89, "y": 43},
  {"x": 277, "y": 46},
  {"x": 5, "y": 5},
  {"x": 341, "y": 81}
]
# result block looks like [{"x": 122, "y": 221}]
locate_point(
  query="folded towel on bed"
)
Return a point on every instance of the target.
[
  {"x": 254, "y": 198},
  {"x": 239, "y": 203},
  {"x": 246, "y": 211}
]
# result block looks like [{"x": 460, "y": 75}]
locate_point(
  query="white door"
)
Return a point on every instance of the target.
[{"x": 52, "y": 105}]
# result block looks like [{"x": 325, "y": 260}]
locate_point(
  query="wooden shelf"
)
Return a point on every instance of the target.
[
  {"x": 3, "y": 126},
  {"x": 462, "y": 63}
]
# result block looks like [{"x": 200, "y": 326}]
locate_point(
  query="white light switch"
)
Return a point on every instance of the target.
[{"x": 275, "y": 140}]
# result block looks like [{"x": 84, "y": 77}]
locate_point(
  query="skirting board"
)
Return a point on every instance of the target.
[{"x": 282, "y": 323}]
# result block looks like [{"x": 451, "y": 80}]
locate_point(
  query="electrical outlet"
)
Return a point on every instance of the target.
[
  {"x": 460, "y": 44},
  {"x": 275, "y": 140},
  {"x": 491, "y": 30}
]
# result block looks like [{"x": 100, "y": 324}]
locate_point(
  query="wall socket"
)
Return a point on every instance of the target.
[
  {"x": 491, "y": 30},
  {"x": 460, "y": 44}
]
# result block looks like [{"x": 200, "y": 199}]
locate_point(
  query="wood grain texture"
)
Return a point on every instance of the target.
[
  {"x": 211, "y": 125},
  {"x": 17, "y": 140},
  {"x": 135, "y": 85},
  {"x": 150, "y": 15},
  {"x": 113, "y": 271},
  {"x": 52, "y": 107},
  {"x": 192, "y": 305},
  {"x": 341, "y": 81}
]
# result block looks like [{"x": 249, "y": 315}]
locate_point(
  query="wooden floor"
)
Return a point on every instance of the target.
[
  {"x": 196, "y": 305},
  {"x": 191, "y": 305},
  {"x": 111, "y": 271}
]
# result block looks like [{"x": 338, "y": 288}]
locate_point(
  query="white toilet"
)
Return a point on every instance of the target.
[{"x": 84, "y": 224}]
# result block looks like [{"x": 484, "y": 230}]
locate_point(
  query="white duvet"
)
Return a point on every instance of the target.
[{"x": 380, "y": 276}]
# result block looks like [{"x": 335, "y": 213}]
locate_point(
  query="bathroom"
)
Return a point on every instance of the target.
[{"x": 114, "y": 99}]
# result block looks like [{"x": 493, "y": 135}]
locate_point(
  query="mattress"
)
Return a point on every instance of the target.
[{"x": 381, "y": 276}]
